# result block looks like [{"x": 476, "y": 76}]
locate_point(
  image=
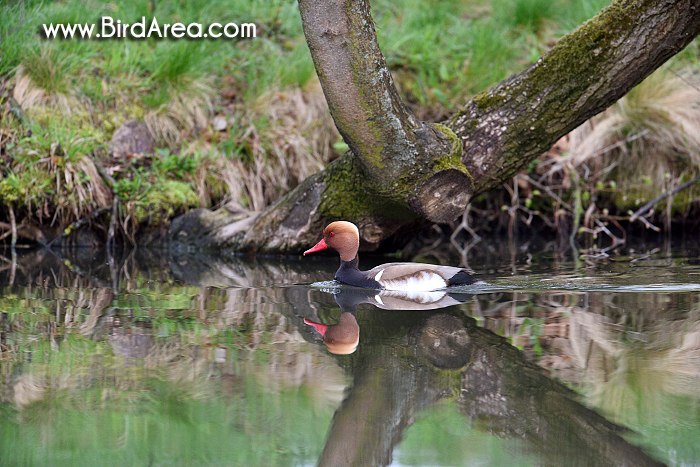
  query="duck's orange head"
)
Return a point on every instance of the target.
[{"x": 342, "y": 236}]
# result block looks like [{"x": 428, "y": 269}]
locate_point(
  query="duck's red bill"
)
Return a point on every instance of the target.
[
  {"x": 321, "y": 328},
  {"x": 322, "y": 245}
]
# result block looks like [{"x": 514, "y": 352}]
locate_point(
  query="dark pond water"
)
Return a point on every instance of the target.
[{"x": 158, "y": 360}]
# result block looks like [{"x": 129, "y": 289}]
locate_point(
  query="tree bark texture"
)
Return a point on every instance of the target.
[{"x": 400, "y": 169}]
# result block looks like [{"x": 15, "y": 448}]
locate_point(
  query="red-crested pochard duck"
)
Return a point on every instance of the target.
[{"x": 344, "y": 237}]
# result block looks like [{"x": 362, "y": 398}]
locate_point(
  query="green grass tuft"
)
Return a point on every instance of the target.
[{"x": 530, "y": 15}]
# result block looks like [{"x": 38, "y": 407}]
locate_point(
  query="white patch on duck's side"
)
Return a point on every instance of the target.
[
  {"x": 379, "y": 275},
  {"x": 422, "y": 281},
  {"x": 415, "y": 296}
]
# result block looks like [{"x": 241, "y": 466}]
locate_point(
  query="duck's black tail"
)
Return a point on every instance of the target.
[{"x": 463, "y": 277}]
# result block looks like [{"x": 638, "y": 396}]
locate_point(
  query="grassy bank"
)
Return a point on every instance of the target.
[{"x": 239, "y": 122}]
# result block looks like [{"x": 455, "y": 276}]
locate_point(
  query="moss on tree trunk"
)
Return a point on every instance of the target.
[{"x": 401, "y": 169}]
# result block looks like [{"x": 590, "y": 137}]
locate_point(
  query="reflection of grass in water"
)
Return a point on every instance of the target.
[
  {"x": 673, "y": 425},
  {"x": 83, "y": 406},
  {"x": 443, "y": 436},
  {"x": 72, "y": 400},
  {"x": 167, "y": 427},
  {"x": 654, "y": 392},
  {"x": 667, "y": 424},
  {"x": 635, "y": 356}
]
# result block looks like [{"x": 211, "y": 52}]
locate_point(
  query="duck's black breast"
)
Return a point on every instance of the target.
[{"x": 348, "y": 273}]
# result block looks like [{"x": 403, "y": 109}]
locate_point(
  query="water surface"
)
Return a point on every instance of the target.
[{"x": 151, "y": 359}]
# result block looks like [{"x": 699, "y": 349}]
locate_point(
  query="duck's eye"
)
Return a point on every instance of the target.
[{"x": 332, "y": 234}]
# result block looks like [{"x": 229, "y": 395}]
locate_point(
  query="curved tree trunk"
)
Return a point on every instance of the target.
[{"x": 400, "y": 169}]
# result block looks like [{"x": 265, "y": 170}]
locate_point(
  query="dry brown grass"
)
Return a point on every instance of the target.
[
  {"x": 186, "y": 113},
  {"x": 30, "y": 96},
  {"x": 296, "y": 142},
  {"x": 653, "y": 132},
  {"x": 593, "y": 180},
  {"x": 88, "y": 187}
]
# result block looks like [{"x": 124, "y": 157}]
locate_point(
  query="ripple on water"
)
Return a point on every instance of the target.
[
  {"x": 578, "y": 284},
  {"x": 327, "y": 286}
]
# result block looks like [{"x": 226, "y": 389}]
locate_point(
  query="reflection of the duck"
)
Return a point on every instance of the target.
[{"x": 342, "y": 338}]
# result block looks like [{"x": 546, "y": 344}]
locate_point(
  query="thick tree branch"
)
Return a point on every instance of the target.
[
  {"x": 356, "y": 81},
  {"x": 588, "y": 70},
  {"x": 398, "y": 152}
]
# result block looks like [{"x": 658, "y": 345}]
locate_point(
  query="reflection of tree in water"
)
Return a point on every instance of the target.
[
  {"x": 207, "y": 341},
  {"x": 634, "y": 356},
  {"x": 407, "y": 361}
]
